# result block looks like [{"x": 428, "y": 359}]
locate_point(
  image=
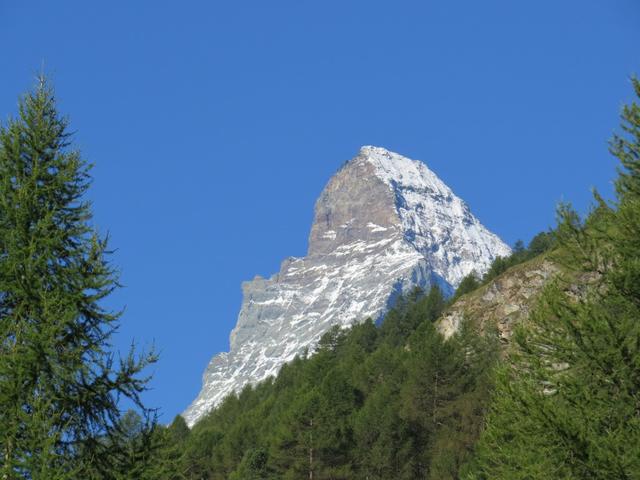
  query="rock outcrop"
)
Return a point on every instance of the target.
[{"x": 504, "y": 302}]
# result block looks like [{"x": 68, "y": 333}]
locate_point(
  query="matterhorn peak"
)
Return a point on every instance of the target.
[
  {"x": 393, "y": 168},
  {"x": 383, "y": 225}
]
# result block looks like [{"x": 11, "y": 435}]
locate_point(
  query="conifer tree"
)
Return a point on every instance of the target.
[
  {"x": 468, "y": 284},
  {"x": 569, "y": 407},
  {"x": 60, "y": 385}
]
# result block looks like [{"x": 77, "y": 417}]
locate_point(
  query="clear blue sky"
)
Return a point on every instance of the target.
[{"x": 214, "y": 126}]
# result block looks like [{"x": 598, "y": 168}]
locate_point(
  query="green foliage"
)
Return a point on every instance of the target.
[
  {"x": 542, "y": 242},
  {"x": 59, "y": 383},
  {"x": 567, "y": 406},
  {"x": 409, "y": 312},
  {"x": 396, "y": 401},
  {"x": 467, "y": 285},
  {"x": 178, "y": 430},
  {"x": 253, "y": 465},
  {"x": 626, "y": 147}
]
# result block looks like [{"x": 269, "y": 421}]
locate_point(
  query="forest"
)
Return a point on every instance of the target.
[{"x": 393, "y": 399}]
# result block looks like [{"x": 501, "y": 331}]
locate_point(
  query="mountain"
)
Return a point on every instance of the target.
[{"x": 383, "y": 225}]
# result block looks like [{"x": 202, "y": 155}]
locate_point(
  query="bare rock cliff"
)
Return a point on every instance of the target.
[{"x": 502, "y": 303}]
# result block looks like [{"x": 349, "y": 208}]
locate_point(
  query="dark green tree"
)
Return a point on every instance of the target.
[
  {"x": 384, "y": 444},
  {"x": 433, "y": 304},
  {"x": 178, "y": 430},
  {"x": 60, "y": 385},
  {"x": 518, "y": 247},
  {"x": 541, "y": 243},
  {"x": 295, "y": 448},
  {"x": 253, "y": 466},
  {"x": 411, "y": 311},
  {"x": 467, "y": 285}
]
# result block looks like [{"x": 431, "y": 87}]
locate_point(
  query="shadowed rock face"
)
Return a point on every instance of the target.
[
  {"x": 355, "y": 205},
  {"x": 383, "y": 225}
]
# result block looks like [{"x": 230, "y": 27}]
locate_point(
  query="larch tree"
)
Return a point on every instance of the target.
[
  {"x": 568, "y": 406},
  {"x": 60, "y": 382}
]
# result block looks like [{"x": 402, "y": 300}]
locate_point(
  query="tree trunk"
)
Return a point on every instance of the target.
[{"x": 311, "y": 449}]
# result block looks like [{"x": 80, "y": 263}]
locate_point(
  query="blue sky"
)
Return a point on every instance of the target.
[{"x": 215, "y": 125}]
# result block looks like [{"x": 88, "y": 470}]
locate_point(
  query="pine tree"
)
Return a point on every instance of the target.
[
  {"x": 59, "y": 383},
  {"x": 569, "y": 405},
  {"x": 468, "y": 284}
]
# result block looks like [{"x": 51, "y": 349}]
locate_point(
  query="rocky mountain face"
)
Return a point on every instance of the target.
[
  {"x": 383, "y": 225},
  {"x": 503, "y": 303}
]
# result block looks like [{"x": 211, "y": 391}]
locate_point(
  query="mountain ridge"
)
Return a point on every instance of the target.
[{"x": 382, "y": 225}]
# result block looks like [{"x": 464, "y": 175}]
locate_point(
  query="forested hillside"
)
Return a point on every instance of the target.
[{"x": 397, "y": 400}]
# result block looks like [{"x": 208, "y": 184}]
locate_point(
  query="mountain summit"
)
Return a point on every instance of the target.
[{"x": 383, "y": 225}]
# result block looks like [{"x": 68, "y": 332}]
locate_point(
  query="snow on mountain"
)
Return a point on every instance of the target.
[{"x": 383, "y": 224}]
